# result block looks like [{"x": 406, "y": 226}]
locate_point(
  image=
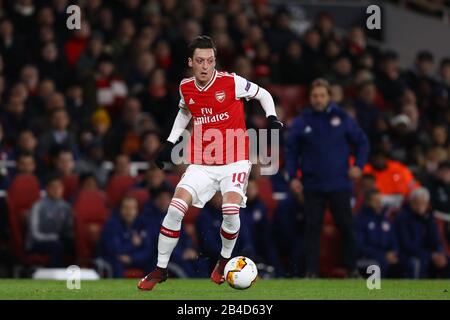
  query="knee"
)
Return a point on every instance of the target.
[{"x": 177, "y": 210}]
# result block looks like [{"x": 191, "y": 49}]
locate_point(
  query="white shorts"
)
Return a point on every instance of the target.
[{"x": 204, "y": 181}]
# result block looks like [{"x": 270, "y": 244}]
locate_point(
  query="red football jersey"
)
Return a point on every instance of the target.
[{"x": 219, "y": 134}]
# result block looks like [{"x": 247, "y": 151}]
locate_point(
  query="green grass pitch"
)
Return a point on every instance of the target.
[{"x": 177, "y": 289}]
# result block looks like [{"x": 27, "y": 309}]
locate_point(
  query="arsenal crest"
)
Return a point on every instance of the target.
[{"x": 220, "y": 96}]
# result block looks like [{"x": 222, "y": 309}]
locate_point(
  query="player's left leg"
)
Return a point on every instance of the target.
[
  {"x": 233, "y": 180},
  {"x": 229, "y": 231}
]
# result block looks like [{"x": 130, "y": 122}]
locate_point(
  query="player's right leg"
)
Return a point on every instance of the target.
[{"x": 168, "y": 237}]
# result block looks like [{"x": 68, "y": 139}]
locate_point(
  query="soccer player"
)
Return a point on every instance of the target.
[{"x": 213, "y": 100}]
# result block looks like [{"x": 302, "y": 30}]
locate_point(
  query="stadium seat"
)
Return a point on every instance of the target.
[
  {"x": 173, "y": 179},
  {"x": 266, "y": 194},
  {"x": 140, "y": 194},
  {"x": 23, "y": 191},
  {"x": 71, "y": 183},
  {"x": 292, "y": 97},
  {"x": 91, "y": 212},
  {"x": 117, "y": 187}
]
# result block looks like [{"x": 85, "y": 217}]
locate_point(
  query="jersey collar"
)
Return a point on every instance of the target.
[{"x": 210, "y": 82}]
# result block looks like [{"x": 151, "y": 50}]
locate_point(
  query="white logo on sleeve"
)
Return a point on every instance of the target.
[
  {"x": 335, "y": 121},
  {"x": 191, "y": 101}
]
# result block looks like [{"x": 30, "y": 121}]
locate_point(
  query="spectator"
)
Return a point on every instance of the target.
[
  {"x": 122, "y": 165},
  {"x": 110, "y": 87},
  {"x": 420, "y": 78},
  {"x": 439, "y": 186},
  {"x": 25, "y": 164},
  {"x": 58, "y": 136},
  {"x": 125, "y": 241},
  {"x": 92, "y": 161},
  {"x": 377, "y": 240},
  {"x": 150, "y": 143},
  {"x": 367, "y": 112},
  {"x": 26, "y": 142},
  {"x": 421, "y": 249},
  {"x": 50, "y": 224},
  {"x": 14, "y": 119},
  {"x": 292, "y": 68},
  {"x": 153, "y": 180},
  {"x": 342, "y": 72},
  {"x": 388, "y": 80},
  {"x": 124, "y": 127},
  {"x": 392, "y": 178},
  {"x": 88, "y": 181}
]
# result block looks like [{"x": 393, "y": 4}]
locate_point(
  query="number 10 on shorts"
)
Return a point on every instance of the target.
[{"x": 239, "y": 177}]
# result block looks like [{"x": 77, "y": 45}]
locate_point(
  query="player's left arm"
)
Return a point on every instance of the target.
[{"x": 249, "y": 90}]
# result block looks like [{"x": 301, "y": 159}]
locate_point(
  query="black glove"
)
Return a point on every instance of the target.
[
  {"x": 164, "y": 154},
  {"x": 274, "y": 123}
]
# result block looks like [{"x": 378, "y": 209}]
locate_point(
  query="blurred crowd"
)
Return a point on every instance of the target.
[{"x": 73, "y": 101}]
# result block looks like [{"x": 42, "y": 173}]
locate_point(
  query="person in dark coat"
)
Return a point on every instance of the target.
[
  {"x": 125, "y": 241},
  {"x": 319, "y": 143},
  {"x": 421, "y": 248},
  {"x": 375, "y": 234}
]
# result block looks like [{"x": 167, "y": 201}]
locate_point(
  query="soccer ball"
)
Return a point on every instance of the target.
[{"x": 240, "y": 272}]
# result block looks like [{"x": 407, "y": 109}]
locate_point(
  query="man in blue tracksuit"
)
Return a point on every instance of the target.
[
  {"x": 375, "y": 234},
  {"x": 319, "y": 143}
]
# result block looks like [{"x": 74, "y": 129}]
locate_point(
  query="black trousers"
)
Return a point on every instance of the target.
[{"x": 315, "y": 205}]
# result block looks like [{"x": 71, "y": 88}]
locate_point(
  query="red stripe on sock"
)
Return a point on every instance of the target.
[
  {"x": 230, "y": 213},
  {"x": 169, "y": 233},
  {"x": 184, "y": 205},
  {"x": 176, "y": 205},
  {"x": 229, "y": 236}
]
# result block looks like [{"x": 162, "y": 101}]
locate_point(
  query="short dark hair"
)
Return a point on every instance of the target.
[
  {"x": 201, "y": 42},
  {"x": 51, "y": 177},
  {"x": 369, "y": 194},
  {"x": 425, "y": 55},
  {"x": 320, "y": 82}
]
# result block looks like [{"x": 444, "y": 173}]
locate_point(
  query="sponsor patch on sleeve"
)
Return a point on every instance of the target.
[{"x": 247, "y": 86}]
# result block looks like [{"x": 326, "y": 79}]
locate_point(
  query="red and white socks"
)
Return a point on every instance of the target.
[
  {"x": 170, "y": 230},
  {"x": 230, "y": 228}
]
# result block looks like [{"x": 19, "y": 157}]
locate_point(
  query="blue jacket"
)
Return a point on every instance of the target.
[
  {"x": 320, "y": 144},
  {"x": 418, "y": 236},
  {"x": 375, "y": 234},
  {"x": 116, "y": 240}
]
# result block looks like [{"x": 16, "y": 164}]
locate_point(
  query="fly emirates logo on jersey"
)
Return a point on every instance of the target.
[{"x": 208, "y": 117}]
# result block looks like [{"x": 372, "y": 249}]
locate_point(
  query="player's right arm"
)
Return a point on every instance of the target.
[{"x": 179, "y": 125}]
